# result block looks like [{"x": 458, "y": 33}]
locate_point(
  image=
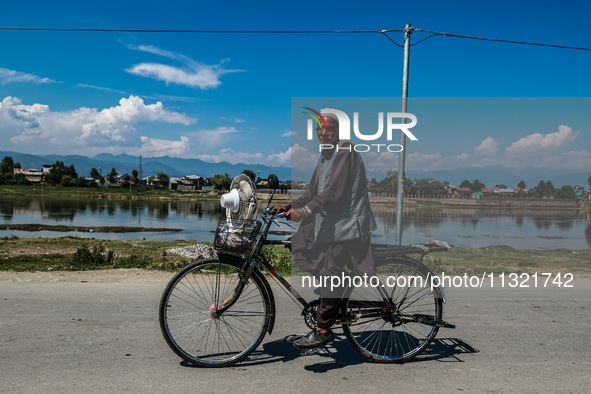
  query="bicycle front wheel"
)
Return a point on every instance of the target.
[
  {"x": 191, "y": 325},
  {"x": 396, "y": 320}
]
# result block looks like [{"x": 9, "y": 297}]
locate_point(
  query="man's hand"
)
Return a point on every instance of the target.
[
  {"x": 296, "y": 214},
  {"x": 278, "y": 209}
]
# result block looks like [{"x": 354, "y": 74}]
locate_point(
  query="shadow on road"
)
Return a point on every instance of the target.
[
  {"x": 446, "y": 350},
  {"x": 341, "y": 354}
]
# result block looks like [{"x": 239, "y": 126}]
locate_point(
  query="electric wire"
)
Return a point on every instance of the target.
[
  {"x": 435, "y": 33},
  {"x": 382, "y": 31},
  {"x": 196, "y": 31}
]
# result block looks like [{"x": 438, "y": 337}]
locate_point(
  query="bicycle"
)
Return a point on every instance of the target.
[{"x": 215, "y": 312}]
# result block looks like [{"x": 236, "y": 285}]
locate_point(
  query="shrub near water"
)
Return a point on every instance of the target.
[
  {"x": 133, "y": 261},
  {"x": 87, "y": 259}
]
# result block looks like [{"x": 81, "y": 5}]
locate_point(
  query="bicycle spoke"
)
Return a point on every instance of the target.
[
  {"x": 388, "y": 332},
  {"x": 192, "y": 325}
]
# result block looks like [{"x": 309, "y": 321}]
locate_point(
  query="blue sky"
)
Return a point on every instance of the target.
[{"x": 228, "y": 96}]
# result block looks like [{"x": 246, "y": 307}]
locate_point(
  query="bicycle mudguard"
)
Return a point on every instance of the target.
[{"x": 267, "y": 287}]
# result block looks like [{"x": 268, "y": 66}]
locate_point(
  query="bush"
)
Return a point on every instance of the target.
[
  {"x": 280, "y": 257},
  {"x": 133, "y": 261},
  {"x": 89, "y": 259}
]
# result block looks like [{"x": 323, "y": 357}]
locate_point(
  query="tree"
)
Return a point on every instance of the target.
[
  {"x": 422, "y": 186},
  {"x": 550, "y": 188},
  {"x": 251, "y": 174},
  {"x": 467, "y": 184},
  {"x": 477, "y": 186},
  {"x": 66, "y": 180},
  {"x": 541, "y": 189},
  {"x": 113, "y": 175},
  {"x": 20, "y": 179},
  {"x": 501, "y": 186},
  {"x": 95, "y": 174},
  {"x": 162, "y": 179},
  {"x": 81, "y": 182},
  {"x": 135, "y": 175},
  {"x": 7, "y": 170},
  {"x": 437, "y": 187},
  {"x": 589, "y": 182},
  {"x": 222, "y": 182},
  {"x": 7, "y": 165},
  {"x": 521, "y": 185},
  {"x": 565, "y": 191},
  {"x": 59, "y": 170}
]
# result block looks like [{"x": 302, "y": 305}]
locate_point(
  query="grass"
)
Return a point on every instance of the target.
[
  {"x": 72, "y": 253},
  {"x": 75, "y": 254},
  {"x": 499, "y": 259}
]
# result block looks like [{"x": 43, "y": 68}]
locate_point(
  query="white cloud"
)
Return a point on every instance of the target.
[
  {"x": 302, "y": 158},
  {"x": 487, "y": 147},
  {"x": 10, "y": 76},
  {"x": 238, "y": 120},
  {"x": 112, "y": 123},
  {"x": 233, "y": 157},
  {"x": 84, "y": 85},
  {"x": 535, "y": 143},
  {"x": 289, "y": 133},
  {"x": 193, "y": 74},
  {"x": 211, "y": 139},
  {"x": 153, "y": 147},
  {"x": 37, "y": 129}
]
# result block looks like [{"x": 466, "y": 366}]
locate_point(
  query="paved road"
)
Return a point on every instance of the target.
[{"x": 99, "y": 337}]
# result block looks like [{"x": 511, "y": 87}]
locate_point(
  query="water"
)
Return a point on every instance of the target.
[{"x": 537, "y": 229}]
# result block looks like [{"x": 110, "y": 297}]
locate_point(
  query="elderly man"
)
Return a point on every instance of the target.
[{"x": 336, "y": 225}]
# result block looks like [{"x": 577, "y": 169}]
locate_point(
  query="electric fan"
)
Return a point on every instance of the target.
[{"x": 237, "y": 231}]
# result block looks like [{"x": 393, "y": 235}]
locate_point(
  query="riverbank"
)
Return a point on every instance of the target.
[
  {"x": 63, "y": 254},
  {"x": 511, "y": 203}
]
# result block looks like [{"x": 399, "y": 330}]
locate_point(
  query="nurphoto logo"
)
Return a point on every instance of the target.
[{"x": 345, "y": 129}]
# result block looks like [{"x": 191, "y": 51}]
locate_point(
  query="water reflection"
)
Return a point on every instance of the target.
[
  {"x": 47, "y": 209},
  {"x": 536, "y": 229}
]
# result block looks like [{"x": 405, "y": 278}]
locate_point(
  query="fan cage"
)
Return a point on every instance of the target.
[{"x": 239, "y": 242}]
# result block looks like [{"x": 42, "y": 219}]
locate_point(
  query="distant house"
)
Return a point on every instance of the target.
[
  {"x": 507, "y": 192},
  {"x": 189, "y": 182},
  {"x": 491, "y": 190},
  {"x": 124, "y": 178},
  {"x": 32, "y": 175},
  {"x": 209, "y": 180},
  {"x": 173, "y": 183},
  {"x": 458, "y": 191}
]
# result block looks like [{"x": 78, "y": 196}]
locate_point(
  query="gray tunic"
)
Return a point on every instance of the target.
[{"x": 337, "y": 196}]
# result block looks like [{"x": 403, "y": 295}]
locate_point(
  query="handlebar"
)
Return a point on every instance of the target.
[{"x": 270, "y": 215}]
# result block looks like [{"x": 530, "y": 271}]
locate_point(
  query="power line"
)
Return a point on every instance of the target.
[
  {"x": 196, "y": 31},
  {"x": 382, "y": 31},
  {"x": 499, "y": 40}
]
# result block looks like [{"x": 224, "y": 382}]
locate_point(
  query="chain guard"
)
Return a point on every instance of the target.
[{"x": 310, "y": 317}]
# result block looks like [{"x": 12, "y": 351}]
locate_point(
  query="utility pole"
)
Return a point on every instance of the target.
[{"x": 400, "y": 194}]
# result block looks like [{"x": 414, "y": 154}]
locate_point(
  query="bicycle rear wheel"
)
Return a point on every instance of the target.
[
  {"x": 394, "y": 321},
  {"x": 190, "y": 325}
]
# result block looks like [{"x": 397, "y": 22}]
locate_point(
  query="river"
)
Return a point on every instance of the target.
[{"x": 523, "y": 229}]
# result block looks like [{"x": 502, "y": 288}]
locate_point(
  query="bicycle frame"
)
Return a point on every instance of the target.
[
  {"x": 215, "y": 312},
  {"x": 256, "y": 257}
]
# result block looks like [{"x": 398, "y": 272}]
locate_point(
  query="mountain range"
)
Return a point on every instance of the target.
[
  {"x": 178, "y": 167},
  {"x": 172, "y": 166}
]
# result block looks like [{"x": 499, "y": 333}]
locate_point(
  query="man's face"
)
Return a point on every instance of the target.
[{"x": 330, "y": 135}]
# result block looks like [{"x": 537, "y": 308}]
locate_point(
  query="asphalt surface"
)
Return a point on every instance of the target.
[{"x": 105, "y": 337}]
